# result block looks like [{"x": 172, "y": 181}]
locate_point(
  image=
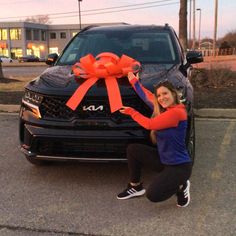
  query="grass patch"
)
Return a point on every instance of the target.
[
  {"x": 16, "y": 84},
  {"x": 215, "y": 77}
]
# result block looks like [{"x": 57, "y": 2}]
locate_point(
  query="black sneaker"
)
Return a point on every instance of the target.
[
  {"x": 183, "y": 195},
  {"x": 132, "y": 191}
]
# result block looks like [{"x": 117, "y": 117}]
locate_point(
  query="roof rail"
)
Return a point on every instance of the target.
[
  {"x": 88, "y": 27},
  {"x": 92, "y": 26}
]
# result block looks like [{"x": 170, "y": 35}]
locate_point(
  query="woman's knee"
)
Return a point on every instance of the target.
[
  {"x": 133, "y": 150},
  {"x": 134, "y": 147}
]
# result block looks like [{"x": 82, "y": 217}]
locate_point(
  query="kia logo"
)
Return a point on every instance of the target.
[{"x": 93, "y": 108}]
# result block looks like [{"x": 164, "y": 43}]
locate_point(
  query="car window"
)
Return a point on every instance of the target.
[{"x": 146, "y": 47}]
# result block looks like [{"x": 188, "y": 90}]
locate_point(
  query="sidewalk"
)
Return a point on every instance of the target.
[
  {"x": 23, "y": 64},
  {"x": 201, "y": 113}
]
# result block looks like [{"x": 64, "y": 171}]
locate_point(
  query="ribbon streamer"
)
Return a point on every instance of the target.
[{"x": 107, "y": 66}]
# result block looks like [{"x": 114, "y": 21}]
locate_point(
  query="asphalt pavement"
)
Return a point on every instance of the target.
[{"x": 80, "y": 198}]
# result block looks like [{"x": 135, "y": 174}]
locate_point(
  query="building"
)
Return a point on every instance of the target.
[{"x": 25, "y": 38}]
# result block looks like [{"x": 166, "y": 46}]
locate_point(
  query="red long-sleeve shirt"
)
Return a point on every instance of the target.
[{"x": 170, "y": 127}]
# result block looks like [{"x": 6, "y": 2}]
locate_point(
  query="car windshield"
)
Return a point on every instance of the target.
[{"x": 147, "y": 47}]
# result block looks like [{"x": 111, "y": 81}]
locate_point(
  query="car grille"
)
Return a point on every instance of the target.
[
  {"x": 55, "y": 108},
  {"x": 80, "y": 148}
]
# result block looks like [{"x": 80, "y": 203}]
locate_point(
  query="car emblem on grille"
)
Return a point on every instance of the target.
[{"x": 93, "y": 108}]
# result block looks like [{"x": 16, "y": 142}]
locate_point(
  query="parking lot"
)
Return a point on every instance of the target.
[
  {"x": 27, "y": 69},
  {"x": 80, "y": 198}
]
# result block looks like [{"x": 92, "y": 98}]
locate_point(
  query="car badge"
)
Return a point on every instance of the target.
[{"x": 93, "y": 108}]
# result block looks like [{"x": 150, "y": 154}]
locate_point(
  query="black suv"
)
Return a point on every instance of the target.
[{"x": 49, "y": 130}]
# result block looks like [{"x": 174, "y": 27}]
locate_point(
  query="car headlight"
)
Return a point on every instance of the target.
[
  {"x": 32, "y": 97},
  {"x": 32, "y": 101}
]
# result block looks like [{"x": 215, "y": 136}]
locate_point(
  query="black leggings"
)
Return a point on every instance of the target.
[{"x": 169, "y": 177}]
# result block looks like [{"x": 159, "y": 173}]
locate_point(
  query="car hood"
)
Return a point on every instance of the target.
[{"x": 60, "y": 80}]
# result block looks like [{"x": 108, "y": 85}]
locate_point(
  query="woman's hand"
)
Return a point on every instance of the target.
[
  {"x": 123, "y": 109},
  {"x": 132, "y": 76},
  {"x": 127, "y": 110}
]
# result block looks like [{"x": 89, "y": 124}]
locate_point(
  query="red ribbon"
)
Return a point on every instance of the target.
[{"x": 107, "y": 66}]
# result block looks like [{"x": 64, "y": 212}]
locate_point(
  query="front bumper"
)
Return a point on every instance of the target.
[{"x": 64, "y": 143}]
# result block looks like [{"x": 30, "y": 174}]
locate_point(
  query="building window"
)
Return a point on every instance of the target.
[
  {"x": 63, "y": 35},
  {"x": 53, "y": 50},
  {"x": 36, "y": 34},
  {"x": 74, "y": 33},
  {"x": 15, "y": 34},
  {"x": 53, "y": 35},
  {"x": 29, "y": 51},
  {"x": 28, "y": 34},
  {"x": 3, "y": 34},
  {"x": 43, "y": 35},
  {"x": 4, "y": 52},
  {"x": 37, "y": 52},
  {"x": 16, "y": 52}
]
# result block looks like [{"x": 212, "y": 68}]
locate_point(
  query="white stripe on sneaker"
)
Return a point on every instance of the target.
[
  {"x": 186, "y": 195},
  {"x": 131, "y": 191}
]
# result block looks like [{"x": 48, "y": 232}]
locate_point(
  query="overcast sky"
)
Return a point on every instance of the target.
[{"x": 159, "y": 12}]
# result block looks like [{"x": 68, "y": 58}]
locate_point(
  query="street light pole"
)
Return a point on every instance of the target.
[
  {"x": 199, "y": 30},
  {"x": 215, "y": 28},
  {"x": 190, "y": 20},
  {"x": 79, "y": 14},
  {"x": 194, "y": 9}
]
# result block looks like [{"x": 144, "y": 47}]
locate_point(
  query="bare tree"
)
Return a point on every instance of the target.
[
  {"x": 230, "y": 37},
  {"x": 1, "y": 73},
  {"x": 183, "y": 24},
  {"x": 42, "y": 19}
]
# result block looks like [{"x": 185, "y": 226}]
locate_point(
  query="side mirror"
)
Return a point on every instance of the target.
[
  {"x": 51, "y": 59},
  {"x": 194, "y": 57}
]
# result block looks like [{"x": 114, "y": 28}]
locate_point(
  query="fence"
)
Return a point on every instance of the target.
[{"x": 218, "y": 52}]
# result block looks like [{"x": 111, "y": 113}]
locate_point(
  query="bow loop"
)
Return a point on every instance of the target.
[{"x": 105, "y": 65}]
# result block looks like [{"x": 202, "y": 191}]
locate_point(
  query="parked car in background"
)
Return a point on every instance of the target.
[
  {"x": 42, "y": 59},
  {"x": 5, "y": 59},
  {"x": 49, "y": 130},
  {"x": 28, "y": 58}
]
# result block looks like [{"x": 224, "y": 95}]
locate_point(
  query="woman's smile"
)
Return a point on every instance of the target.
[{"x": 165, "y": 97}]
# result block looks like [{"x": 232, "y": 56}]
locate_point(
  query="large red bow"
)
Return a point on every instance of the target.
[{"x": 108, "y": 66}]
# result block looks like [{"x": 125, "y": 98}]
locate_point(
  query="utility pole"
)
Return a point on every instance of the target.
[
  {"x": 193, "y": 46},
  {"x": 215, "y": 28},
  {"x": 183, "y": 25},
  {"x": 199, "y": 29},
  {"x": 79, "y": 14},
  {"x": 190, "y": 20}
]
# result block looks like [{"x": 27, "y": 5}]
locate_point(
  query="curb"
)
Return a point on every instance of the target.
[
  {"x": 200, "y": 113},
  {"x": 23, "y": 64},
  {"x": 215, "y": 113},
  {"x": 9, "y": 108}
]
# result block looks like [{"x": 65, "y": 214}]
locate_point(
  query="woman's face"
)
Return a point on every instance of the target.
[{"x": 165, "y": 97}]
